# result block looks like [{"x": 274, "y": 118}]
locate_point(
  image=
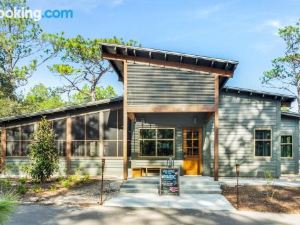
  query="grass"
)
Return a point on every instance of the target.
[{"x": 8, "y": 203}]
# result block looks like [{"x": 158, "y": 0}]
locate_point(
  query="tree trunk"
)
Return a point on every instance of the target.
[{"x": 93, "y": 95}]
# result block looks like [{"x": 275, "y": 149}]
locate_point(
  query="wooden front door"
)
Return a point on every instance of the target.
[{"x": 192, "y": 151}]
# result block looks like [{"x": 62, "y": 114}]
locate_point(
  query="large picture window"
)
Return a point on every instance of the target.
[
  {"x": 263, "y": 140},
  {"x": 19, "y": 139},
  {"x": 158, "y": 142},
  {"x": 286, "y": 146}
]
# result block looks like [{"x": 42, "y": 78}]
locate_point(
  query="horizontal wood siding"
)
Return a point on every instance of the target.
[
  {"x": 14, "y": 166},
  {"x": 157, "y": 85},
  {"x": 113, "y": 167},
  {"x": 239, "y": 115},
  {"x": 290, "y": 126}
]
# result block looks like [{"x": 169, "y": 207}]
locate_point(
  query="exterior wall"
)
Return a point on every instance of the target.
[
  {"x": 290, "y": 126},
  {"x": 157, "y": 85},
  {"x": 165, "y": 120},
  {"x": 240, "y": 115},
  {"x": 90, "y": 165}
]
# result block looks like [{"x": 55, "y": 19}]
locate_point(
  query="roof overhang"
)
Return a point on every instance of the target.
[
  {"x": 116, "y": 54},
  {"x": 264, "y": 94}
]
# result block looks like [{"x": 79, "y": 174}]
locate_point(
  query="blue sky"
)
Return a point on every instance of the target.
[{"x": 240, "y": 30}]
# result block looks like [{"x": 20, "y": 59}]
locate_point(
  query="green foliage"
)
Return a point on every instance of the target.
[
  {"x": 285, "y": 72},
  {"x": 101, "y": 93},
  {"x": 8, "y": 204},
  {"x": 43, "y": 153},
  {"x": 270, "y": 183},
  {"x": 21, "y": 49},
  {"x": 81, "y": 63},
  {"x": 41, "y": 98},
  {"x": 21, "y": 188},
  {"x": 5, "y": 185}
]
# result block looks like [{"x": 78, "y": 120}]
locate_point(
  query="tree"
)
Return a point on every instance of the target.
[
  {"x": 285, "y": 72},
  {"x": 20, "y": 49},
  {"x": 101, "y": 93},
  {"x": 44, "y": 160},
  {"x": 81, "y": 63},
  {"x": 40, "y": 98}
]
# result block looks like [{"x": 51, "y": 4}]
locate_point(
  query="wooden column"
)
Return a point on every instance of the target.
[
  {"x": 216, "y": 130},
  {"x": 69, "y": 144},
  {"x": 125, "y": 125},
  {"x": 3, "y": 146}
]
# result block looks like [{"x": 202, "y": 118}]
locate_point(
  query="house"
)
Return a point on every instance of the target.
[{"x": 174, "y": 105}]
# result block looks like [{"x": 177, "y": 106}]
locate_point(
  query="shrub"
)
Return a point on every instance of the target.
[
  {"x": 43, "y": 153},
  {"x": 8, "y": 203}
]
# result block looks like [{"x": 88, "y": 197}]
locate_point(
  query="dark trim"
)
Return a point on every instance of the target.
[
  {"x": 138, "y": 53},
  {"x": 291, "y": 114},
  {"x": 263, "y": 94},
  {"x": 65, "y": 109}
]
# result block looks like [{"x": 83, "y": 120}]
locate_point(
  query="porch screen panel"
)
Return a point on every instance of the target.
[
  {"x": 112, "y": 133},
  {"x": 86, "y": 135},
  {"x": 59, "y": 127},
  {"x": 18, "y": 140}
]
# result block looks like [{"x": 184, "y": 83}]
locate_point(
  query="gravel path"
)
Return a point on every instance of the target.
[{"x": 81, "y": 195}]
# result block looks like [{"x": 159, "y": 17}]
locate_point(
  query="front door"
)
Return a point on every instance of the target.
[{"x": 192, "y": 151}]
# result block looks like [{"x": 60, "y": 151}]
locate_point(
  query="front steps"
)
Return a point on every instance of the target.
[{"x": 188, "y": 185}]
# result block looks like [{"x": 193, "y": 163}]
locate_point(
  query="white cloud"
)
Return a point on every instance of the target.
[{"x": 205, "y": 12}]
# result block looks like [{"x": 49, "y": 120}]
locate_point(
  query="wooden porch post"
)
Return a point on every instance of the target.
[
  {"x": 216, "y": 130},
  {"x": 125, "y": 125},
  {"x": 3, "y": 147},
  {"x": 69, "y": 144}
]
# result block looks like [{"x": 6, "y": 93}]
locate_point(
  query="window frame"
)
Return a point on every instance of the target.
[
  {"x": 20, "y": 139},
  {"x": 292, "y": 144},
  {"x": 271, "y": 144},
  {"x": 156, "y": 141}
]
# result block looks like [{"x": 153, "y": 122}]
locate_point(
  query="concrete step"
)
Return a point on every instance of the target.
[{"x": 139, "y": 190}]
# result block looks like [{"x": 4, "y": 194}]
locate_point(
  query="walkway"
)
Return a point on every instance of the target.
[
  {"x": 56, "y": 215},
  {"x": 196, "y": 192}
]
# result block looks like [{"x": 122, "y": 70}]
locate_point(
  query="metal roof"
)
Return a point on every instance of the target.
[
  {"x": 291, "y": 114},
  {"x": 163, "y": 55},
  {"x": 62, "y": 109},
  {"x": 282, "y": 97}
]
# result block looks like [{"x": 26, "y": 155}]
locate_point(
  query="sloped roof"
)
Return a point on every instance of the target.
[{"x": 61, "y": 109}]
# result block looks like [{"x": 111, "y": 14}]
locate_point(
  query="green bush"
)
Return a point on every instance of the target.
[
  {"x": 8, "y": 204},
  {"x": 44, "y": 160}
]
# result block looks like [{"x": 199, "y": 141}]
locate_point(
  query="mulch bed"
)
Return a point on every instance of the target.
[{"x": 256, "y": 198}]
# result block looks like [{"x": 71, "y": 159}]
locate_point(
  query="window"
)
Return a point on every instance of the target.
[
  {"x": 85, "y": 135},
  {"x": 286, "y": 146},
  {"x": 19, "y": 139},
  {"x": 263, "y": 143},
  {"x": 191, "y": 142},
  {"x": 113, "y": 133},
  {"x": 157, "y": 142}
]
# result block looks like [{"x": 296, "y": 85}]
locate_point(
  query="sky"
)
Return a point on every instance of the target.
[{"x": 240, "y": 30}]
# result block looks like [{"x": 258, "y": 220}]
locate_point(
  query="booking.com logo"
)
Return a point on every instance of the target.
[{"x": 36, "y": 14}]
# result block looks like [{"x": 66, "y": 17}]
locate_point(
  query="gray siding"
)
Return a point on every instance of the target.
[
  {"x": 167, "y": 120},
  {"x": 157, "y": 85},
  {"x": 113, "y": 167},
  {"x": 239, "y": 116},
  {"x": 290, "y": 126}
]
